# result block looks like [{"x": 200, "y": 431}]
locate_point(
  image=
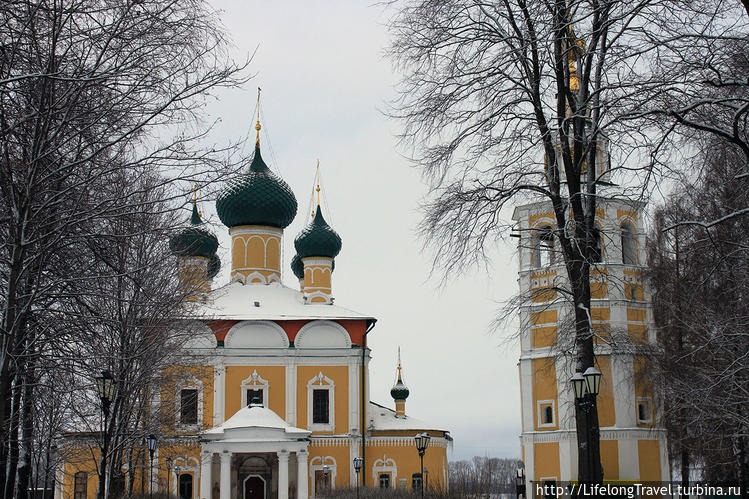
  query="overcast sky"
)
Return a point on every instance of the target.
[{"x": 325, "y": 81}]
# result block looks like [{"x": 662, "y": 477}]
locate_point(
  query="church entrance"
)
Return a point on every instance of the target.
[{"x": 254, "y": 487}]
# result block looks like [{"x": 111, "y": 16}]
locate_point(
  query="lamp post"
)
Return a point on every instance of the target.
[
  {"x": 151, "y": 440},
  {"x": 105, "y": 390},
  {"x": 422, "y": 442},
  {"x": 358, "y": 461},
  {"x": 520, "y": 483},
  {"x": 168, "y": 475},
  {"x": 586, "y": 387},
  {"x": 177, "y": 471}
]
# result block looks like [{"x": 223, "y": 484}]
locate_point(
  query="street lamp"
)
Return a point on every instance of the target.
[
  {"x": 358, "y": 461},
  {"x": 151, "y": 440},
  {"x": 326, "y": 472},
  {"x": 586, "y": 387},
  {"x": 422, "y": 442},
  {"x": 105, "y": 390},
  {"x": 168, "y": 475},
  {"x": 520, "y": 483}
]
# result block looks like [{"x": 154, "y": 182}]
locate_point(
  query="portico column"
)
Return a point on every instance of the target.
[
  {"x": 283, "y": 474},
  {"x": 225, "y": 475},
  {"x": 301, "y": 475},
  {"x": 206, "y": 459}
]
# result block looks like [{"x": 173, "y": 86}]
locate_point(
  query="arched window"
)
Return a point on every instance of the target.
[
  {"x": 629, "y": 245},
  {"x": 185, "y": 486},
  {"x": 543, "y": 247}
]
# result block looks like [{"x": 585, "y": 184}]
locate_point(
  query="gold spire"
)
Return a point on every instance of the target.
[
  {"x": 257, "y": 125},
  {"x": 399, "y": 365},
  {"x": 317, "y": 174}
]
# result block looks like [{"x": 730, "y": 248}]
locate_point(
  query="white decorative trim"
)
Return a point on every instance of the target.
[
  {"x": 308, "y": 333},
  {"x": 318, "y": 463},
  {"x": 384, "y": 465},
  {"x": 540, "y": 404},
  {"x": 192, "y": 383},
  {"x": 321, "y": 382},
  {"x": 254, "y": 382}
]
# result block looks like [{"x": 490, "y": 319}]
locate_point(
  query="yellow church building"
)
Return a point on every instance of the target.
[
  {"x": 275, "y": 403},
  {"x": 633, "y": 444}
]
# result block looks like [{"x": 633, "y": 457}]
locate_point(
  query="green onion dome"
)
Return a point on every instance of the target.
[
  {"x": 257, "y": 197},
  {"x": 399, "y": 391},
  {"x": 318, "y": 239},
  {"x": 214, "y": 265},
  {"x": 297, "y": 267},
  {"x": 194, "y": 241}
]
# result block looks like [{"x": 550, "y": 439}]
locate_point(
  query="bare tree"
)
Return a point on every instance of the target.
[
  {"x": 700, "y": 279},
  {"x": 89, "y": 89}
]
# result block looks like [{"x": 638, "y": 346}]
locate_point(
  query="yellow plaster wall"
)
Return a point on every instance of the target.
[
  {"x": 606, "y": 410},
  {"x": 276, "y": 377},
  {"x": 643, "y": 387},
  {"x": 636, "y": 326},
  {"x": 81, "y": 458},
  {"x": 339, "y": 375},
  {"x": 648, "y": 454},
  {"x": 546, "y": 457},
  {"x": 407, "y": 460},
  {"x": 610, "y": 459},
  {"x": 543, "y": 336},
  {"x": 544, "y": 388},
  {"x": 599, "y": 284}
]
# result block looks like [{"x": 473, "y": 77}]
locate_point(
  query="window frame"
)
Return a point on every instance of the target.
[
  {"x": 540, "y": 406},
  {"x": 255, "y": 382},
  {"x": 321, "y": 382},
  {"x": 189, "y": 384},
  {"x": 649, "y": 403}
]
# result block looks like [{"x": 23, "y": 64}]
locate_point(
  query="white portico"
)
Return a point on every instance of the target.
[{"x": 255, "y": 448}]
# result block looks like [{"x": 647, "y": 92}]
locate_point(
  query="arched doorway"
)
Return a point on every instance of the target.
[
  {"x": 185, "y": 486},
  {"x": 254, "y": 487}
]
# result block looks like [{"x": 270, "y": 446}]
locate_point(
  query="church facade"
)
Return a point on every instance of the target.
[{"x": 275, "y": 402}]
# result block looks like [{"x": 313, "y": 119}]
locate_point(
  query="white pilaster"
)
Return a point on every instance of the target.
[
  {"x": 206, "y": 460},
  {"x": 302, "y": 475},
  {"x": 225, "y": 475},
  {"x": 219, "y": 394},
  {"x": 353, "y": 400},
  {"x": 283, "y": 474},
  {"x": 291, "y": 391}
]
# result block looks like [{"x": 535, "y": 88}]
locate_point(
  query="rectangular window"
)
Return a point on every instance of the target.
[
  {"x": 81, "y": 484},
  {"x": 188, "y": 407},
  {"x": 644, "y": 411},
  {"x": 416, "y": 482},
  {"x": 546, "y": 416},
  {"x": 384, "y": 481},
  {"x": 320, "y": 406},
  {"x": 255, "y": 397}
]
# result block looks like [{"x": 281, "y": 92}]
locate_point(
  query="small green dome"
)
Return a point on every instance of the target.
[
  {"x": 194, "y": 241},
  {"x": 214, "y": 265},
  {"x": 297, "y": 267},
  {"x": 318, "y": 239},
  {"x": 257, "y": 197},
  {"x": 399, "y": 391}
]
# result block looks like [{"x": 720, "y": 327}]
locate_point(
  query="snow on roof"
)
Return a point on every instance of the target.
[
  {"x": 256, "y": 417},
  {"x": 266, "y": 302},
  {"x": 383, "y": 418}
]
